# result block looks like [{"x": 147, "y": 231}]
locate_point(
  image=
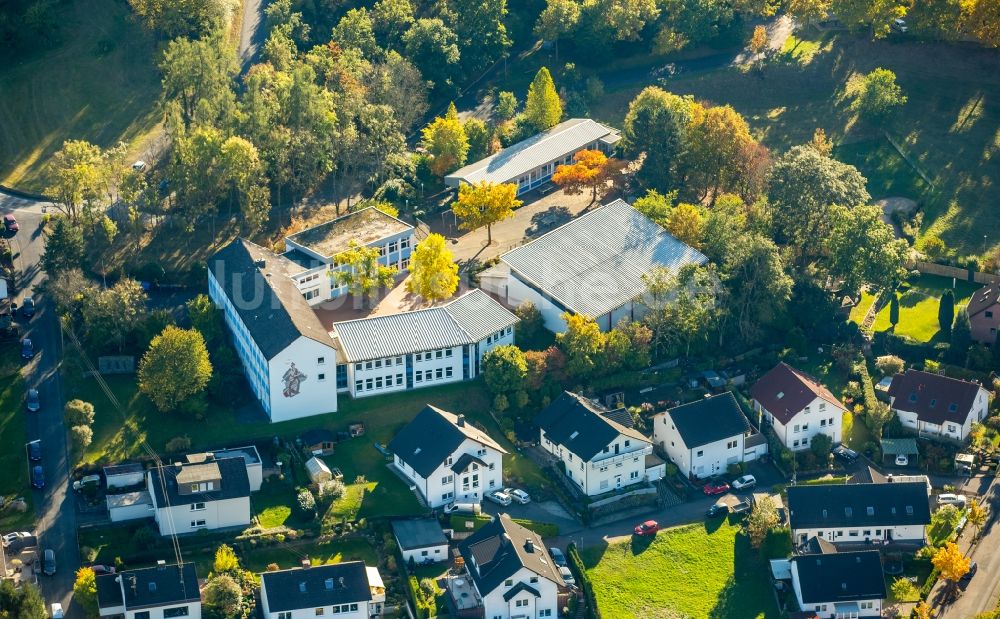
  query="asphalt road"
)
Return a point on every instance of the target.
[
  {"x": 252, "y": 32},
  {"x": 983, "y": 591},
  {"x": 55, "y": 511}
]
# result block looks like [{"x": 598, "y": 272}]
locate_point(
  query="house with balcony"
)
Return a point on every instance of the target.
[
  {"x": 599, "y": 448},
  {"x": 797, "y": 407},
  {"x": 984, "y": 314},
  {"x": 446, "y": 458},
  {"x": 206, "y": 494},
  {"x": 150, "y": 593},
  {"x": 508, "y": 574},
  {"x": 348, "y": 590},
  {"x": 937, "y": 406},
  {"x": 705, "y": 436},
  {"x": 839, "y": 585}
]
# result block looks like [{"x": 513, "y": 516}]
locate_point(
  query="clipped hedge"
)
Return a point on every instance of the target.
[
  {"x": 932, "y": 579},
  {"x": 583, "y": 580}
]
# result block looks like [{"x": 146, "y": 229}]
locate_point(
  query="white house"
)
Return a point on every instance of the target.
[
  {"x": 599, "y": 448},
  {"x": 705, "y": 436},
  {"x": 841, "y": 585},
  {"x": 531, "y": 163},
  {"x": 513, "y": 575},
  {"x": 446, "y": 458},
  {"x": 314, "y": 250},
  {"x": 421, "y": 540},
  {"x": 938, "y": 406},
  {"x": 894, "y": 512},
  {"x": 593, "y": 265},
  {"x": 348, "y": 590},
  {"x": 150, "y": 593},
  {"x": 209, "y": 494},
  {"x": 797, "y": 407}
]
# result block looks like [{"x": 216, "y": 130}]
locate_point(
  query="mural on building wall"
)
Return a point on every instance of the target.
[{"x": 292, "y": 380}]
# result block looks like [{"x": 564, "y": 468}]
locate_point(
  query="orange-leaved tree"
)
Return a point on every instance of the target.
[{"x": 591, "y": 169}]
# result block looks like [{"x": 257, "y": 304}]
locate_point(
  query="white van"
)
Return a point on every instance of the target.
[
  {"x": 463, "y": 508},
  {"x": 57, "y": 611}
]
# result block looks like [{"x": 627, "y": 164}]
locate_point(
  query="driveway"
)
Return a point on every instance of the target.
[
  {"x": 54, "y": 510},
  {"x": 252, "y": 33},
  {"x": 542, "y": 511}
]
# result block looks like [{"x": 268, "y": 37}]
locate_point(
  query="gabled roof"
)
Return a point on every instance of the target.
[
  {"x": 507, "y": 165},
  {"x": 313, "y": 587},
  {"x": 498, "y": 550},
  {"x": 465, "y": 320},
  {"x": 366, "y": 226},
  {"x": 464, "y": 461},
  {"x": 845, "y": 505},
  {"x": 840, "y": 577},
  {"x": 234, "y": 483},
  {"x": 257, "y": 283},
  {"x": 785, "y": 392},
  {"x": 518, "y": 588},
  {"x": 123, "y": 469},
  {"x": 149, "y": 587},
  {"x": 933, "y": 397},
  {"x": 596, "y": 262},
  {"x": 432, "y": 436},
  {"x": 709, "y": 420},
  {"x": 583, "y": 426},
  {"x": 984, "y": 298},
  {"x": 315, "y": 436},
  {"x": 422, "y": 533}
]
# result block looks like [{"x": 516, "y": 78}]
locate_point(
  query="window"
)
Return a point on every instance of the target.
[
  {"x": 822, "y": 423},
  {"x": 418, "y": 356},
  {"x": 321, "y": 377},
  {"x": 418, "y": 376},
  {"x": 311, "y": 294},
  {"x": 357, "y": 367},
  {"x": 179, "y": 611},
  {"x": 320, "y": 611},
  {"x": 399, "y": 379},
  {"x": 404, "y": 264},
  {"x": 438, "y": 354},
  {"x": 604, "y": 484},
  {"x": 448, "y": 352},
  {"x": 447, "y": 496},
  {"x": 393, "y": 247},
  {"x": 730, "y": 444},
  {"x": 195, "y": 524},
  {"x": 951, "y": 427},
  {"x": 545, "y": 613},
  {"x": 797, "y": 428},
  {"x": 404, "y": 243},
  {"x": 197, "y": 507},
  {"x": 378, "y": 363},
  {"x": 144, "y": 614},
  {"x": 399, "y": 361},
  {"x": 508, "y": 583},
  {"x": 795, "y": 443},
  {"x": 627, "y": 442},
  {"x": 381, "y": 250},
  {"x": 438, "y": 373},
  {"x": 533, "y": 580},
  {"x": 447, "y": 479},
  {"x": 700, "y": 453},
  {"x": 805, "y": 427},
  {"x": 634, "y": 475},
  {"x": 368, "y": 365},
  {"x": 520, "y": 603},
  {"x": 447, "y": 372},
  {"x": 378, "y": 382},
  {"x": 822, "y": 406},
  {"x": 989, "y": 314},
  {"x": 359, "y": 385},
  {"x": 368, "y": 383}
]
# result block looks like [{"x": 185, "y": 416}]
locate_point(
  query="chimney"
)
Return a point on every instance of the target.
[
  {"x": 260, "y": 264},
  {"x": 161, "y": 564},
  {"x": 461, "y": 421},
  {"x": 529, "y": 545},
  {"x": 306, "y": 564}
]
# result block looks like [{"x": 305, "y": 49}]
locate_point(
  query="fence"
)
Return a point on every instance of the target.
[{"x": 933, "y": 268}]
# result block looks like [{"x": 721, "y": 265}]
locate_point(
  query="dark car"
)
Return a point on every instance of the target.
[
  {"x": 49, "y": 562},
  {"x": 28, "y": 307},
  {"x": 10, "y": 223},
  {"x": 967, "y": 577},
  {"x": 102, "y": 569},
  {"x": 716, "y": 510},
  {"x": 558, "y": 557},
  {"x": 27, "y": 349},
  {"x": 845, "y": 454},
  {"x": 715, "y": 486},
  {"x": 37, "y": 477},
  {"x": 32, "y": 402},
  {"x": 650, "y": 527},
  {"x": 35, "y": 451}
]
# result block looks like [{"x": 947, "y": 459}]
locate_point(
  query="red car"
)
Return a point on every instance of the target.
[
  {"x": 716, "y": 487},
  {"x": 10, "y": 223},
  {"x": 650, "y": 527}
]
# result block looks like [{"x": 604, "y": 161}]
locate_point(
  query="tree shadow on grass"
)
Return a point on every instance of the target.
[
  {"x": 641, "y": 543},
  {"x": 747, "y": 593}
]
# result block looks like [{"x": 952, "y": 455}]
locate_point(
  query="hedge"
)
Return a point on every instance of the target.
[
  {"x": 423, "y": 605},
  {"x": 583, "y": 580},
  {"x": 545, "y": 529},
  {"x": 932, "y": 579}
]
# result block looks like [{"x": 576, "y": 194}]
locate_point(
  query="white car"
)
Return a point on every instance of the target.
[
  {"x": 899, "y": 25},
  {"x": 518, "y": 495},
  {"x": 10, "y": 538},
  {"x": 57, "y": 611},
  {"x": 567, "y": 576},
  {"x": 499, "y": 497},
  {"x": 744, "y": 482},
  {"x": 948, "y": 498},
  {"x": 902, "y": 460}
]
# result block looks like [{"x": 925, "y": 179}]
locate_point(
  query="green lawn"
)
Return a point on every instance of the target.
[
  {"x": 918, "y": 307},
  {"x": 701, "y": 570},
  {"x": 98, "y": 84},
  {"x": 273, "y": 505},
  {"x": 291, "y": 554},
  {"x": 13, "y": 434},
  {"x": 855, "y": 432},
  {"x": 383, "y": 495}
]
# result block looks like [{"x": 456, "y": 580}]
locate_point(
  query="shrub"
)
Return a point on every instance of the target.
[
  {"x": 889, "y": 365},
  {"x": 82, "y": 437},
  {"x": 178, "y": 444},
  {"x": 306, "y": 503},
  {"x": 735, "y": 469},
  {"x": 331, "y": 490},
  {"x": 144, "y": 537},
  {"x": 79, "y": 413}
]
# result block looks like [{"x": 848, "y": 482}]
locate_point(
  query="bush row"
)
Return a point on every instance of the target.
[{"x": 583, "y": 580}]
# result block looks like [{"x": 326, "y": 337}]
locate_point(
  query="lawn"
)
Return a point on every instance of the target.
[
  {"x": 701, "y": 570},
  {"x": 99, "y": 83},
  {"x": 288, "y": 555},
  {"x": 273, "y": 505},
  {"x": 918, "y": 307},
  {"x": 13, "y": 434}
]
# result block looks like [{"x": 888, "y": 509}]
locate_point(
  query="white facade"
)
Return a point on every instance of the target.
[
  {"x": 155, "y": 612},
  {"x": 193, "y": 517},
  {"x": 833, "y": 609},
  {"x": 700, "y": 461},
  {"x": 862, "y": 533},
  {"x": 621, "y": 463},
  {"x": 524, "y": 604},
  {"x": 130, "y": 506},
  {"x": 818, "y": 417},
  {"x": 444, "y": 486},
  {"x": 354, "y": 610},
  {"x": 422, "y": 555},
  {"x": 948, "y": 429}
]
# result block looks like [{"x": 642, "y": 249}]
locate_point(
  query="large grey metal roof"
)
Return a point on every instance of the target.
[
  {"x": 466, "y": 320},
  {"x": 518, "y": 159},
  {"x": 595, "y": 263}
]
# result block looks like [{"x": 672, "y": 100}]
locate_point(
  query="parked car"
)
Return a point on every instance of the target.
[
  {"x": 499, "y": 497},
  {"x": 37, "y": 477},
  {"x": 902, "y": 460},
  {"x": 716, "y": 510},
  {"x": 518, "y": 495},
  {"x": 49, "y": 562},
  {"x": 27, "y": 349},
  {"x": 35, "y": 451},
  {"x": 899, "y": 25},
  {"x": 10, "y": 538},
  {"x": 845, "y": 454},
  {"x": 28, "y": 307},
  {"x": 746, "y": 481},
  {"x": 973, "y": 568},
  {"x": 87, "y": 481},
  {"x": 450, "y": 508},
  {"x": 567, "y": 576},
  {"x": 558, "y": 557},
  {"x": 102, "y": 569},
  {"x": 57, "y": 610},
  {"x": 650, "y": 527},
  {"x": 715, "y": 486},
  {"x": 948, "y": 498},
  {"x": 10, "y": 223},
  {"x": 32, "y": 401}
]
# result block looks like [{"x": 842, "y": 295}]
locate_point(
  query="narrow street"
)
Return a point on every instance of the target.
[{"x": 983, "y": 591}]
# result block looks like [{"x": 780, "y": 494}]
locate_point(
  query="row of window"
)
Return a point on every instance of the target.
[
  {"x": 379, "y": 382},
  {"x": 420, "y": 376},
  {"x": 394, "y": 246},
  {"x": 311, "y": 294},
  {"x": 309, "y": 278},
  {"x": 493, "y": 337},
  {"x": 378, "y": 363},
  {"x": 434, "y": 354},
  {"x": 822, "y": 407},
  {"x": 805, "y": 426},
  {"x": 197, "y": 507},
  {"x": 197, "y": 524}
]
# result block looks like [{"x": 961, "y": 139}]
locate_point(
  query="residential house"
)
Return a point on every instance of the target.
[
  {"x": 348, "y": 590},
  {"x": 446, "y": 458},
  {"x": 249, "y": 455},
  {"x": 512, "y": 574},
  {"x": 593, "y": 265},
  {"x": 895, "y": 512},
  {"x": 531, "y": 163},
  {"x": 421, "y": 540},
  {"x": 841, "y": 585},
  {"x": 705, "y": 436},
  {"x": 938, "y": 406},
  {"x": 150, "y": 593},
  {"x": 984, "y": 314},
  {"x": 797, "y": 407},
  {"x": 210, "y": 494},
  {"x": 600, "y": 448}
]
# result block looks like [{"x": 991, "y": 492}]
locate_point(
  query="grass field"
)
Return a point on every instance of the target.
[
  {"x": 701, "y": 570},
  {"x": 291, "y": 554},
  {"x": 13, "y": 433},
  {"x": 918, "y": 307},
  {"x": 99, "y": 84}
]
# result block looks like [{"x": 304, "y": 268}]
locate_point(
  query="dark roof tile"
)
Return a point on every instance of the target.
[
  {"x": 320, "y": 585},
  {"x": 845, "y": 505},
  {"x": 709, "y": 420},
  {"x": 583, "y": 426},
  {"x": 841, "y": 577},
  {"x": 933, "y": 397},
  {"x": 149, "y": 587},
  {"x": 433, "y": 435},
  {"x": 498, "y": 550}
]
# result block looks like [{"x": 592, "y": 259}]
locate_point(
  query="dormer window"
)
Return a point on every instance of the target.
[
  {"x": 781, "y": 394},
  {"x": 933, "y": 402},
  {"x": 848, "y": 511},
  {"x": 870, "y": 510},
  {"x": 909, "y": 510},
  {"x": 952, "y": 407},
  {"x": 913, "y": 397}
]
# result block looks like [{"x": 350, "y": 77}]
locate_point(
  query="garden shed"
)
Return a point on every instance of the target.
[{"x": 318, "y": 471}]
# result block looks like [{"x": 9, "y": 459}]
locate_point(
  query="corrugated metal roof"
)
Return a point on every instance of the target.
[
  {"x": 466, "y": 320},
  {"x": 517, "y": 159},
  {"x": 595, "y": 263}
]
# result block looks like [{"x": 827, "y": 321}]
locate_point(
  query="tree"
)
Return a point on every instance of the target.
[
  {"x": 433, "y": 272},
  {"x": 355, "y": 30},
  {"x": 198, "y": 78},
  {"x": 178, "y": 18},
  {"x": 936, "y": 19},
  {"x": 923, "y": 610},
  {"x": 484, "y": 204},
  {"x": 903, "y": 590},
  {"x": 225, "y": 560},
  {"x": 719, "y": 151},
  {"x": 78, "y": 168},
  {"x": 820, "y": 143},
  {"x": 558, "y": 19},
  {"x": 763, "y": 519},
  {"x": 656, "y": 206},
  {"x": 505, "y": 370},
  {"x": 542, "y": 108},
  {"x": 758, "y": 45},
  {"x": 627, "y": 18},
  {"x": 22, "y": 602},
  {"x": 582, "y": 342},
  {"x": 894, "y": 309},
  {"x": 225, "y": 594},
  {"x": 876, "y": 95},
  {"x": 808, "y": 11},
  {"x": 757, "y": 283},
  {"x": 64, "y": 247},
  {"x": 531, "y": 325},
  {"x": 82, "y": 437},
  {"x": 175, "y": 368},
  {"x": 506, "y": 105},
  {"x": 951, "y": 563},
  {"x": 946, "y": 312},
  {"x": 482, "y": 33},
  {"x": 79, "y": 413},
  {"x": 85, "y": 591},
  {"x": 591, "y": 170},
  {"x": 479, "y": 136},
  {"x": 446, "y": 142},
  {"x": 397, "y": 83},
  {"x": 961, "y": 337},
  {"x": 976, "y": 515},
  {"x": 433, "y": 47},
  {"x": 863, "y": 249},
  {"x": 364, "y": 273},
  {"x": 890, "y": 365},
  {"x": 681, "y": 307},
  {"x": 983, "y": 22},
  {"x": 615, "y": 351},
  {"x": 205, "y": 317},
  {"x": 391, "y": 18},
  {"x": 111, "y": 316},
  {"x": 820, "y": 445},
  {"x": 656, "y": 127},
  {"x": 685, "y": 223}
]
